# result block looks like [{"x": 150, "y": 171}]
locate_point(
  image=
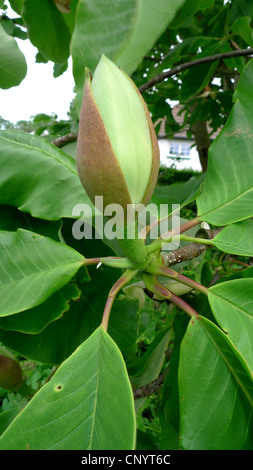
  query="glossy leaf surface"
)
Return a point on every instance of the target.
[
  {"x": 216, "y": 394},
  {"x": 13, "y": 66},
  {"x": 41, "y": 180},
  {"x": 87, "y": 405},
  {"x": 47, "y": 29},
  {"x": 32, "y": 268},
  {"x": 232, "y": 306},
  {"x": 123, "y": 31},
  {"x": 236, "y": 238},
  {"x": 227, "y": 195}
]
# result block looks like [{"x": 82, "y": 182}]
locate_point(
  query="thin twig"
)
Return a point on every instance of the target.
[
  {"x": 190, "y": 251},
  {"x": 65, "y": 139},
  {"x": 149, "y": 389},
  {"x": 72, "y": 136},
  {"x": 184, "y": 253},
  {"x": 54, "y": 369},
  {"x": 187, "y": 65}
]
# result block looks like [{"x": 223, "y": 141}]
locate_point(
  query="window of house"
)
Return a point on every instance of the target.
[
  {"x": 180, "y": 149},
  {"x": 174, "y": 148},
  {"x": 186, "y": 149}
]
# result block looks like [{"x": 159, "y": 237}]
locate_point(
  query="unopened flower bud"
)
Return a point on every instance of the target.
[
  {"x": 117, "y": 149},
  {"x": 10, "y": 370}
]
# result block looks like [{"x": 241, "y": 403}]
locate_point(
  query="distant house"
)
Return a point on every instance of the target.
[{"x": 180, "y": 150}]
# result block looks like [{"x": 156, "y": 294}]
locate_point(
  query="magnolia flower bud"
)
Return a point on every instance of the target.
[
  {"x": 117, "y": 148},
  {"x": 10, "y": 370}
]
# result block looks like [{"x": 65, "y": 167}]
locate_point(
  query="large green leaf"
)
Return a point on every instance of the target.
[
  {"x": 216, "y": 394},
  {"x": 6, "y": 418},
  {"x": 11, "y": 219},
  {"x": 240, "y": 8},
  {"x": 32, "y": 268},
  {"x": 60, "y": 338},
  {"x": 227, "y": 194},
  {"x": 124, "y": 31},
  {"x": 196, "y": 79},
  {"x": 13, "y": 66},
  {"x": 150, "y": 22},
  {"x": 169, "y": 409},
  {"x": 232, "y": 306},
  {"x": 149, "y": 365},
  {"x": 37, "y": 177},
  {"x": 87, "y": 405},
  {"x": 47, "y": 29},
  {"x": 34, "y": 320},
  {"x": 178, "y": 193},
  {"x": 81, "y": 317},
  {"x": 236, "y": 238},
  {"x": 242, "y": 27},
  {"x": 188, "y": 9}
]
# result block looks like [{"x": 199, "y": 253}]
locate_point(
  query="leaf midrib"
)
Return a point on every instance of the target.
[
  {"x": 231, "y": 201},
  {"x": 96, "y": 397},
  {"x": 39, "y": 273},
  {"x": 233, "y": 372},
  {"x": 224, "y": 244},
  {"x": 232, "y": 304},
  {"x": 38, "y": 149}
]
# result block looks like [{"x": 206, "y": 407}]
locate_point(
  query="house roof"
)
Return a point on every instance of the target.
[{"x": 178, "y": 115}]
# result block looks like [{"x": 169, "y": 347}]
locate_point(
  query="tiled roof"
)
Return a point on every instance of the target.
[{"x": 178, "y": 115}]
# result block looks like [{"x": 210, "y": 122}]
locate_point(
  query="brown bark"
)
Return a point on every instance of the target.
[
  {"x": 190, "y": 251},
  {"x": 65, "y": 139}
]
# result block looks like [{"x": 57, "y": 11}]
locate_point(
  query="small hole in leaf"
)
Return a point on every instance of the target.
[{"x": 59, "y": 387}]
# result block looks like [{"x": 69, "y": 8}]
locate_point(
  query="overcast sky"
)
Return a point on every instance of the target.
[{"x": 39, "y": 92}]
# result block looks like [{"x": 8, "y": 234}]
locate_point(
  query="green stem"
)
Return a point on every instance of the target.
[
  {"x": 202, "y": 241},
  {"x": 113, "y": 262},
  {"x": 235, "y": 261},
  {"x": 121, "y": 282},
  {"x": 157, "y": 288},
  {"x": 90, "y": 261},
  {"x": 183, "y": 305},
  {"x": 122, "y": 263},
  {"x": 107, "y": 311},
  {"x": 189, "y": 224},
  {"x": 157, "y": 245},
  {"x": 183, "y": 228},
  {"x": 183, "y": 279}
]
